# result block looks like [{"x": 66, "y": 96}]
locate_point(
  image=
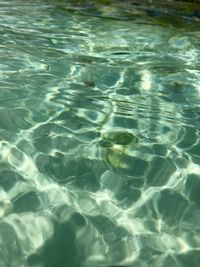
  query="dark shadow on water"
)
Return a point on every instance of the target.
[{"x": 61, "y": 250}]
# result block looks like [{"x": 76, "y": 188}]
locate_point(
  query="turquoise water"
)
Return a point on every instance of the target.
[{"x": 99, "y": 134}]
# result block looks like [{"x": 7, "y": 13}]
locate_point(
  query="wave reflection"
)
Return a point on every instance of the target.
[{"x": 99, "y": 134}]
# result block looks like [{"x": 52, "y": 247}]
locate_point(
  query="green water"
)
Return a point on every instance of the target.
[{"x": 99, "y": 134}]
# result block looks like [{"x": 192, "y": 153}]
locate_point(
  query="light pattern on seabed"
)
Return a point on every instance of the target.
[{"x": 99, "y": 134}]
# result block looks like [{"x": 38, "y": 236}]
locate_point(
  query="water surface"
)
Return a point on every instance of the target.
[{"x": 99, "y": 134}]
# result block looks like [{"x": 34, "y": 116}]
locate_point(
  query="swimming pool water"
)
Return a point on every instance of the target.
[{"x": 99, "y": 134}]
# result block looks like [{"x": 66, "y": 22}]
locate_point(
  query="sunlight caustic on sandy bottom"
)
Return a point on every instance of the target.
[{"x": 99, "y": 135}]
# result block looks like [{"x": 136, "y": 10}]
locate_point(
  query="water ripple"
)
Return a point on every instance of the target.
[{"x": 99, "y": 134}]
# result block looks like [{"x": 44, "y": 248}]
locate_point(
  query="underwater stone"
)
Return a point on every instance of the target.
[
  {"x": 118, "y": 138},
  {"x": 118, "y": 143}
]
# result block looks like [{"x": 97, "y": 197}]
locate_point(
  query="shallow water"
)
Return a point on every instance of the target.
[{"x": 99, "y": 134}]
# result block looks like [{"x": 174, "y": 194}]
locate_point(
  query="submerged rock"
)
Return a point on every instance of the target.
[
  {"x": 109, "y": 139},
  {"x": 117, "y": 144}
]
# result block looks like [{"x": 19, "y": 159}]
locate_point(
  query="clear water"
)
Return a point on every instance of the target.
[{"x": 99, "y": 134}]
